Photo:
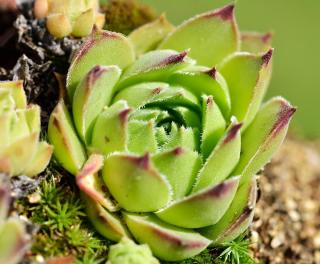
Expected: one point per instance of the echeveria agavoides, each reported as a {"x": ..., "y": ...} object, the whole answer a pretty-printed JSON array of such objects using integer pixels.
[
  {"x": 21, "y": 152},
  {"x": 174, "y": 130}
]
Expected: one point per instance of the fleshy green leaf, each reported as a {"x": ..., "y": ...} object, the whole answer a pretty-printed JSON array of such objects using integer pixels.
[
  {"x": 68, "y": 149},
  {"x": 106, "y": 223},
  {"x": 135, "y": 183},
  {"x": 17, "y": 92},
  {"x": 110, "y": 130},
  {"x": 213, "y": 125},
  {"x": 101, "y": 48},
  {"x": 210, "y": 36},
  {"x": 40, "y": 160},
  {"x": 248, "y": 77},
  {"x": 166, "y": 241},
  {"x": 203, "y": 208},
  {"x": 142, "y": 137},
  {"x": 83, "y": 24},
  {"x": 179, "y": 166},
  {"x": 238, "y": 216},
  {"x": 148, "y": 36},
  {"x": 182, "y": 137},
  {"x": 20, "y": 153},
  {"x": 222, "y": 160},
  {"x": 92, "y": 185},
  {"x": 139, "y": 94},
  {"x": 263, "y": 137},
  {"x": 154, "y": 66},
  {"x": 208, "y": 82},
  {"x": 92, "y": 94}
]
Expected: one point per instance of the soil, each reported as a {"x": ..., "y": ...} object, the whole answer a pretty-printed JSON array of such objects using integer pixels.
[{"x": 287, "y": 220}]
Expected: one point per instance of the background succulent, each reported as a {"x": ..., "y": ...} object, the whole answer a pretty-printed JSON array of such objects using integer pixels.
[
  {"x": 20, "y": 149},
  {"x": 174, "y": 118},
  {"x": 14, "y": 241},
  {"x": 69, "y": 17},
  {"x": 127, "y": 252}
]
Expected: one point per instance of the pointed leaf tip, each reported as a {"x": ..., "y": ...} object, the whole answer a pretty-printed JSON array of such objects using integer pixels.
[
  {"x": 212, "y": 72},
  {"x": 175, "y": 58},
  {"x": 232, "y": 132},
  {"x": 226, "y": 12},
  {"x": 267, "y": 57},
  {"x": 124, "y": 114},
  {"x": 284, "y": 117}
]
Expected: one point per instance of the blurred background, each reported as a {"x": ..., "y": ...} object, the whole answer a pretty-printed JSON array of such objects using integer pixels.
[{"x": 296, "y": 39}]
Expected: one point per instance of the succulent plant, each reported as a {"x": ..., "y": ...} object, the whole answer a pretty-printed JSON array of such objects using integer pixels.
[
  {"x": 20, "y": 149},
  {"x": 69, "y": 17},
  {"x": 165, "y": 131},
  {"x": 14, "y": 241},
  {"x": 127, "y": 252}
]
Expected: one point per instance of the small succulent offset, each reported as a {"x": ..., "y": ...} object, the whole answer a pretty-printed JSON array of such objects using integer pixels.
[
  {"x": 127, "y": 252},
  {"x": 14, "y": 241},
  {"x": 69, "y": 17},
  {"x": 173, "y": 117},
  {"x": 20, "y": 149}
]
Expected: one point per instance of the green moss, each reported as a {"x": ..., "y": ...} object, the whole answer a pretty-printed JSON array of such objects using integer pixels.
[
  {"x": 126, "y": 15},
  {"x": 64, "y": 229}
]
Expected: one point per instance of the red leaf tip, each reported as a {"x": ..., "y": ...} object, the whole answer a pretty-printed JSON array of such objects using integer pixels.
[
  {"x": 284, "y": 117},
  {"x": 123, "y": 115},
  {"x": 232, "y": 132},
  {"x": 212, "y": 72},
  {"x": 226, "y": 12},
  {"x": 267, "y": 57}
]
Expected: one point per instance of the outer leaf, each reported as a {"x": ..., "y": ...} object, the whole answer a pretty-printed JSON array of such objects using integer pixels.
[
  {"x": 110, "y": 130},
  {"x": 222, "y": 160},
  {"x": 13, "y": 242},
  {"x": 248, "y": 77},
  {"x": 203, "y": 208},
  {"x": 83, "y": 24},
  {"x": 180, "y": 166},
  {"x": 93, "y": 93},
  {"x": 264, "y": 136},
  {"x": 238, "y": 216},
  {"x": 59, "y": 25},
  {"x": 90, "y": 183},
  {"x": 135, "y": 184},
  {"x": 62, "y": 135},
  {"x": 20, "y": 153},
  {"x": 210, "y": 36},
  {"x": 148, "y": 36},
  {"x": 154, "y": 66},
  {"x": 101, "y": 48},
  {"x": 166, "y": 241},
  {"x": 40, "y": 160},
  {"x": 255, "y": 42},
  {"x": 107, "y": 224},
  {"x": 17, "y": 92}
]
